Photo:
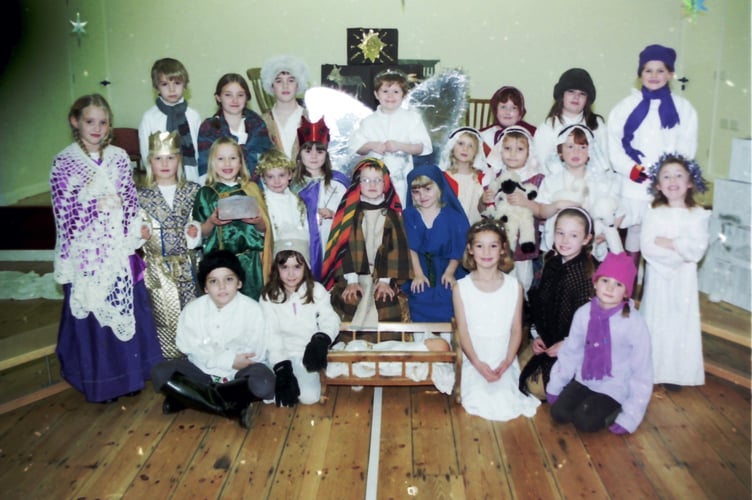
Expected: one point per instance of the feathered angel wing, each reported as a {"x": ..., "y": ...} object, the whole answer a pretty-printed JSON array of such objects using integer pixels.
[
  {"x": 442, "y": 102},
  {"x": 342, "y": 113}
]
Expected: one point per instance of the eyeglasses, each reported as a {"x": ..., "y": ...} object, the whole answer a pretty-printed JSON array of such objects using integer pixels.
[{"x": 376, "y": 180}]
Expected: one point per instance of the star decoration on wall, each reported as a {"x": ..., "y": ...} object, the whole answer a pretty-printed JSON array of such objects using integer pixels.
[
  {"x": 371, "y": 46},
  {"x": 692, "y": 7},
  {"x": 79, "y": 27}
]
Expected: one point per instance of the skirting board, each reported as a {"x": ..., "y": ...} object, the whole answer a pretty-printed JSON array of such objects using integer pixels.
[
  {"x": 11, "y": 197},
  {"x": 27, "y": 255}
]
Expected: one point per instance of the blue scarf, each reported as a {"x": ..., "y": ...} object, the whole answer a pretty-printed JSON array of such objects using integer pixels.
[
  {"x": 666, "y": 111},
  {"x": 596, "y": 363}
]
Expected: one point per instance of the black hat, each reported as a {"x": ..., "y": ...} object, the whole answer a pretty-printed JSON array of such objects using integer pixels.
[
  {"x": 215, "y": 260},
  {"x": 575, "y": 79}
]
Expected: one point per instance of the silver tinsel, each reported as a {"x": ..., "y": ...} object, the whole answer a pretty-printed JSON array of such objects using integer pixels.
[{"x": 441, "y": 101}]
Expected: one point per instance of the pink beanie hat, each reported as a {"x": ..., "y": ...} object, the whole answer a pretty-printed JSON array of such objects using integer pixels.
[{"x": 620, "y": 267}]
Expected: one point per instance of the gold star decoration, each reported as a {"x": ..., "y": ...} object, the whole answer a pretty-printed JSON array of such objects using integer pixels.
[{"x": 372, "y": 46}]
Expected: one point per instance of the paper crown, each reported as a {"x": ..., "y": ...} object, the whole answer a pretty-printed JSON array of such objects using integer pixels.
[
  {"x": 313, "y": 132},
  {"x": 296, "y": 244},
  {"x": 164, "y": 143}
]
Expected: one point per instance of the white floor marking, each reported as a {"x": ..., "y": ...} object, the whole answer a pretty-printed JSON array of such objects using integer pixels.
[{"x": 372, "y": 477}]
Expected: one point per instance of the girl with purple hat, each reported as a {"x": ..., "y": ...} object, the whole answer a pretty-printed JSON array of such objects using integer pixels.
[{"x": 603, "y": 376}]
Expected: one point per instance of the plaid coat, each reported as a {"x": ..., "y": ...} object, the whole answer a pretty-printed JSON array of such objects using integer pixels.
[{"x": 392, "y": 261}]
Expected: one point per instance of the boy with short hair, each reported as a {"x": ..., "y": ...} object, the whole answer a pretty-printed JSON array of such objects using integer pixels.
[
  {"x": 171, "y": 112},
  {"x": 392, "y": 133},
  {"x": 224, "y": 335}
]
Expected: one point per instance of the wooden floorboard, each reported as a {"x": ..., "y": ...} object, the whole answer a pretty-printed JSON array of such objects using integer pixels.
[
  {"x": 301, "y": 467},
  {"x": 621, "y": 473},
  {"x": 693, "y": 444},
  {"x": 527, "y": 466},
  {"x": 396, "y": 458},
  {"x": 688, "y": 446},
  {"x": 256, "y": 465},
  {"x": 570, "y": 462},
  {"x": 134, "y": 444},
  {"x": 481, "y": 463},
  {"x": 346, "y": 465}
]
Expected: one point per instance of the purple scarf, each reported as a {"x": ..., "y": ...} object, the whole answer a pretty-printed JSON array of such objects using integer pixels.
[
  {"x": 597, "y": 361},
  {"x": 666, "y": 111}
]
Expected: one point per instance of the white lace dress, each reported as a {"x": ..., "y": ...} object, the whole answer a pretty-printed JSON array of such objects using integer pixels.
[{"x": 489, "y": 319}]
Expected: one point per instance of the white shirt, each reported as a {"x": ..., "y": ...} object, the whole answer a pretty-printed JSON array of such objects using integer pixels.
[{"x": 212, "y": 337}]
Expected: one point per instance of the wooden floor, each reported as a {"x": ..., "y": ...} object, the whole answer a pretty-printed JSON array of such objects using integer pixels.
[{"x": 693, "y": 444}]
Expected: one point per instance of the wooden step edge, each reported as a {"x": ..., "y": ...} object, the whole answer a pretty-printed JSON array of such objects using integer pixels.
[
  {"x": 722, "y": 333},
  {"x": 729, "y": 374},
  {"x": 28, "y": 346},
  {"x": 33, "y": 397}
]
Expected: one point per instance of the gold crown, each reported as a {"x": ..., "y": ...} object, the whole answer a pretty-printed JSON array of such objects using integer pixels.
[{"x": 164, "y": 143}]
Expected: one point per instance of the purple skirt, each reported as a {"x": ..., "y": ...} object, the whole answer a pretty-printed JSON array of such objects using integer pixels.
[{"x": 96, "y": 362}]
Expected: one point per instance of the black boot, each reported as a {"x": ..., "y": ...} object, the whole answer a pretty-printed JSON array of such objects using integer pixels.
[
  {"x": 181, "y": 392},
  {"x": 238, "y": 398}
]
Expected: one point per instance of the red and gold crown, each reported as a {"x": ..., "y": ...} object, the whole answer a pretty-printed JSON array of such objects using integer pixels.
[{"x": 313, "y": 132}]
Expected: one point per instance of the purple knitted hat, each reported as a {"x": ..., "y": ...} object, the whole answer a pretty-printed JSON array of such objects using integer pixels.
[
  {"x": 666, "y": 55},
  {"x": 620, "y": 267}
]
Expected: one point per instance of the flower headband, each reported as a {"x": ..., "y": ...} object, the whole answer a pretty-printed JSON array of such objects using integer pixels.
[{"x": 695, "y": 172}]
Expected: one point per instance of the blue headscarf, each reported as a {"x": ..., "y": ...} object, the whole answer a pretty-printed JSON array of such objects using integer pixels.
[{"x": 448, "y": 198}]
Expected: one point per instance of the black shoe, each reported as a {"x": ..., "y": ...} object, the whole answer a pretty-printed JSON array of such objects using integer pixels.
[
  {"x": 107, "y": 401},
  {"x": 672, "y": 387},
  {"x": 246, "y": 417},
  {"x": 170, "y": 406}
]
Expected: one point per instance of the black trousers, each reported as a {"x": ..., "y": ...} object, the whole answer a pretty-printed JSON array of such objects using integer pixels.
[
  {"x": 260, "y": 377},
  {"x": 588, "y": 410}
]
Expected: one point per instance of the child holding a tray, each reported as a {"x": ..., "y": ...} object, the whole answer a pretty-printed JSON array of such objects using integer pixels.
[{"x": 244, "y": 229}]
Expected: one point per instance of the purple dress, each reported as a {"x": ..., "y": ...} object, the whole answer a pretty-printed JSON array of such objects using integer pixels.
[
  {"x": 107, "y": 341},
  {"x": 310, "y": 195}
]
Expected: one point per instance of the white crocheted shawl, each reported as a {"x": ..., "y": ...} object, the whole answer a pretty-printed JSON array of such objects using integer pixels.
[{"x": 95, "y": 209}]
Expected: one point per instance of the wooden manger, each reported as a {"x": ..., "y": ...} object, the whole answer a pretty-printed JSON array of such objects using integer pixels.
[{"x": 393, "y": 331}]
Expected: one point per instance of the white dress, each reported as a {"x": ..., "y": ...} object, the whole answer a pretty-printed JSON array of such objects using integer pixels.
[
  {"x": 670, "y": 302},
  {"x": 489, "y": 320}
]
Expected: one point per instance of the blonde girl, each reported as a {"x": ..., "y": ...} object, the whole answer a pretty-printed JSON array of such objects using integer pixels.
[
  {"x": 250, "y": 237},
  {"x": 106, "y": 313},
  {"x": 464, "y": 165}
]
